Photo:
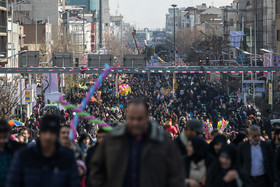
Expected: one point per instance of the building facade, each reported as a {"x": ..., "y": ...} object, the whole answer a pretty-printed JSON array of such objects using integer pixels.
[
  {"x": 3, "y": 31},
  {"x": 261, "y": 16},
  {"x": 277, "y": 10},
  {"x": 15, "y": 43},
  {"x": 90, "y": 5},
  {"x": 169, "y": 25}
]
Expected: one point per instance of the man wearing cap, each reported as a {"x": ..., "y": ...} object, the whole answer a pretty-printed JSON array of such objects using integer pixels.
[
  {"x": 46, "y": 163},
  {"x": 192, "y": 128}
]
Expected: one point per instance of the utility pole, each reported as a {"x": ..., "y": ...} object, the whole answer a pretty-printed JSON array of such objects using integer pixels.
[
  {"x": 251, "y": 46},
  {"x": 48, "y": 42},
  {"x": 100, "y": 24},
  {"x": 83, "y": 29},
  {"x": 12, "y": 36},
  {"x": 35, "y": 31},
  {"x": 174, "y": 6},
  {"x": 122, "y": 37}
]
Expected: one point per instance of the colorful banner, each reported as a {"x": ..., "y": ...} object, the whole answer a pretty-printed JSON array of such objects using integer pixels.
[
  {"x": 174, "y": 84},
  {"x": 52, "y": 80},
  {"x": 270, "y": 94},
  {"x": 276, "y": 61},
  {"x": 27, "y": 96}
]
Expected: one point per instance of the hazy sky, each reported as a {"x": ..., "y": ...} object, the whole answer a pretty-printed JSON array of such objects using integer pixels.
[{"x": 151, "y": 13}]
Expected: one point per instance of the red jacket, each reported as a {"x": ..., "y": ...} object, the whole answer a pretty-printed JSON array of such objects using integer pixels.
[{"x": 171, "y": 129}]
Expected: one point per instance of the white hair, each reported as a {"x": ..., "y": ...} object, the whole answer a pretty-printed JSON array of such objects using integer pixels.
[{"x": 254, "y": 128}]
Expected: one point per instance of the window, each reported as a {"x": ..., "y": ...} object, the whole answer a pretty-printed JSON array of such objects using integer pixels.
[
  {"x": 231, "y": 22},
  {"x": 278, "y": 35},
  {"x": 278, "y": 7}
]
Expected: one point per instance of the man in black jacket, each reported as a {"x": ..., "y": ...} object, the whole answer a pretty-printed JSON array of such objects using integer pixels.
[
  {"x": 7, "y": 149},
  {"x": 256, "y": 159},
  {"x": 45, "y": 163},
  {"x": 192, "y": 128}
]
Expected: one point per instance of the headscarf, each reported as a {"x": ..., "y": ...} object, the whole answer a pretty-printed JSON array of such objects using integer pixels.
[
  {"x": 200, "y": 148},
  {"x": 230, "y": 152},
  {"x": 220, "y": 138}
]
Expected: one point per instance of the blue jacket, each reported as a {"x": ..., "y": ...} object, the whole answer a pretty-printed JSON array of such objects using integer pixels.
[{"x": 31, "y": 169}]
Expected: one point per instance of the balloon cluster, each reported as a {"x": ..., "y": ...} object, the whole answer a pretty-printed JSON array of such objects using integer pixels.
[
  {"x": 208, "y": 126},
  {"x": 124, "y": 89},
  {"x": 79, "y": 110},
  {"x": 222, "y": 124}
]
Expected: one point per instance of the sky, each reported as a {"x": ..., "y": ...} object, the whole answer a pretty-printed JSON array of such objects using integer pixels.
[{"x": 151, "y": 13}]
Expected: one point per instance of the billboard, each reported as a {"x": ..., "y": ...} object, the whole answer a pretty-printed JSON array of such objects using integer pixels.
[
  {"x": 99, "y": 61},
  {"x": 259, "y": 85},
  {"x": 28, "y": 59},
  {"x": 134, "y": 61},
  {"x": 63, "y": 59}
]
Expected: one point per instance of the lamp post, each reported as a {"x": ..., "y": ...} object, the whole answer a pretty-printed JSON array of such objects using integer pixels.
[
  {"x": 174, "y": 6},
  {"x": 83, "y": 7},
  {"x": 100, "y": 25}
]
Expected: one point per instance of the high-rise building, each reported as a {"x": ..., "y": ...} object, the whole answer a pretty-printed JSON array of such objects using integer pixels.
[
  {"x": 3, "y": 31},
  {"x": 90, "y": 5},
  {"x": 94, "y": 5},
  {"x": 278, "y": 26},
  {"x": 263, "y": 12}
]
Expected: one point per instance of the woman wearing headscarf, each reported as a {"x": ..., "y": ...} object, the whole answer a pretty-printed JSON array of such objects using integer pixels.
[
  {"x": 216, "y": 145},
  {"x": 197, "y": 162},
  {"x": 223, "y": 173}
]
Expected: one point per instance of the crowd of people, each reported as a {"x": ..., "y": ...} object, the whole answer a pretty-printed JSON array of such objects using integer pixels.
[{"x": 158, "y": 140}]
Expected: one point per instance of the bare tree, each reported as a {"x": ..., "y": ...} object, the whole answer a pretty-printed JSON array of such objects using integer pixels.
[
  {"x": 8, "y": 97},
  {"x": 114, "y": 45},
  {"x": 185, "y": 39}
]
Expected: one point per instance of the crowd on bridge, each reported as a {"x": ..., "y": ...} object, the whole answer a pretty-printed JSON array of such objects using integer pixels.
[{"x": 182, "y": 132}]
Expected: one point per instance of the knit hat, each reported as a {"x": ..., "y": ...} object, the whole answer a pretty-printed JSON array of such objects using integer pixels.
[
  {"x": 82, "y": 165},
  {"x": 50, "y": 123}
]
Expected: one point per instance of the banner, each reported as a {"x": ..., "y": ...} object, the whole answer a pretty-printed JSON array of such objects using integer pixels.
[
  {"x": 235, "y": 38},
  {"x": 174, "y": 84},
  {"x": 158, "y": 64},
  {"x": 239, "y": 95},
  {"x": 52, "y": 80},
  {"x": 270, "y": 94},
  {"x": 267, "y": 59},
  {"x": 21, "y": 91},
  {"x": 27, "y": 96},
  {"x": 276, "y": 61}
]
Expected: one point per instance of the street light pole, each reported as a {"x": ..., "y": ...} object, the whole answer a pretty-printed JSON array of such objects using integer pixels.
[
  {"x": 83, "y": 29},
  {"x": 174, "y": 6},
  {"x": 100, "y": 24}
]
